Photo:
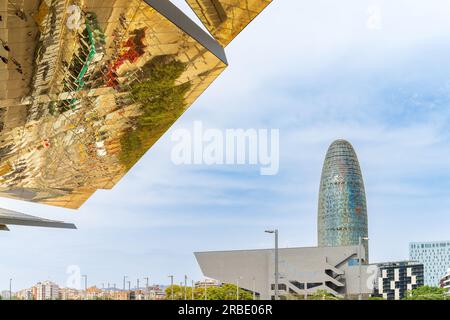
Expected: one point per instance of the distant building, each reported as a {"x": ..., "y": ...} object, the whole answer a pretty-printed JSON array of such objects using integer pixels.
[
  {"x": 445, "y": 281},
  {"x": 47, "y": 290},
  {"x": 93, "y": 293},
  {"x": 342, "y": 212},
  {"x": 395, "y": 279},
  {"x": 5, "y": 294},
  {"x": 26, "y": 294},
  {"x": 121, "y": 295},
  {"x": 156, "y": 293},
  {"x": 69, "y": 294},
  {"x": 208, "y": 283},
  {"x": 435, "y": 256}
]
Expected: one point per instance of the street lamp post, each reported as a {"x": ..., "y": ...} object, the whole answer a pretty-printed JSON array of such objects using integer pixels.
[
  {"x": 192, "y": 291},
  {"x": 171, "y": 286},
  {"x": 237, "y": 287},
  {"x": 124, "y": 281},
  {"x": 85, "y": 286},
  {"x": 360, "y": 264},
  {"x": 276, "y": 260},
  {"x": 146, "y": 287},
  {"x": 185, "y": 287},
  {"x": 10, "y": 289},
  {"x": 254, "y": 288}
]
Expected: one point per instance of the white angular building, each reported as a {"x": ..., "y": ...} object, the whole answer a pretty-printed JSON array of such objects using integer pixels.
[{"x": 302, "y": 271}]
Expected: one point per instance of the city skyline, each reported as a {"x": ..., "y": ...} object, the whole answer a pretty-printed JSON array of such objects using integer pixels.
[{"x": 321, "y": 75}]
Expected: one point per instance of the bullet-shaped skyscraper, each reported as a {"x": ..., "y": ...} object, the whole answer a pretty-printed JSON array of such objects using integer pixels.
[{"x": 342, "y": 213}]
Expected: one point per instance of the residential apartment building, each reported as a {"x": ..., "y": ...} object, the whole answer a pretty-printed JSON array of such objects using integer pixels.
[
  {"x": 69, "y": 294},
  {"x": 395, "y": 279},
  {"x": 46, "y": 290}
]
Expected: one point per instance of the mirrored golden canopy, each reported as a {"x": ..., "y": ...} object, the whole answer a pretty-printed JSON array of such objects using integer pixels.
[
  {"x": 225, "y": 19},
  {"x": 88, "y": 86}
]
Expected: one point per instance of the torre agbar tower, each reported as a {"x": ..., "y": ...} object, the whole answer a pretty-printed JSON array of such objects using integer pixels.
[{"x": 342, "y": 213}]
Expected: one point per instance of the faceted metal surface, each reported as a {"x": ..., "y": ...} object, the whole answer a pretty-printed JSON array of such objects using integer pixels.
[
  {"x": 83, "y": 95},
  {"x": 225, "y": 19},
  {"x": 8, "y": 217},
  {"x": 342, "y": 212}
]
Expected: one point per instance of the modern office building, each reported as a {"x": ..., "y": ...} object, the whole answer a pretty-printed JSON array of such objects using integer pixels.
[
  {"x": 395, "y": 279},
  {"x": 342, "y": 212},
  {"x": 88, "y": 87},
  {"x": 302, "y": 271},
  {"x": 445, "y": 281},
  {"x": 435, "y": 256}
]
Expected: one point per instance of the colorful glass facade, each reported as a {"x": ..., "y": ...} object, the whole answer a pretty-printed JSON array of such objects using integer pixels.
[{"x": 342, "y": 212}]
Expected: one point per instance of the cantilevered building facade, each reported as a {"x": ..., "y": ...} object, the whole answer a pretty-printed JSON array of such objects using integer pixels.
[
  {"x": 88, "y": 86},
  {"x": 342, "y": 213}
]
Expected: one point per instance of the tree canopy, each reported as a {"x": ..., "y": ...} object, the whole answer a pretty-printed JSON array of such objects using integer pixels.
[
  {"x": 224, "y": 292},
  {"x": 427, "y": 293},
  {"x": 161, "y": 101}
]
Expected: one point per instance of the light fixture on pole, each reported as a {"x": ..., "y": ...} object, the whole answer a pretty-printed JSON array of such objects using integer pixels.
[
  {"x": 146, "y": 287},
  {"x": 185, "y": 287},
  {"x": 275, "y": 232},
  {"x": 171, "y": 286},
  {"x": 124, "y": 281},
  {"x": 237, "y": 287},
  {"x": 254, "y": 288},
  {"x": 360, "y": 239},
  {"x": 85, "y": 286}
]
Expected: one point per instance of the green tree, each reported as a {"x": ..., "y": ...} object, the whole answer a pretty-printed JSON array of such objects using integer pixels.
[
  {"x": 224, "y": 292},
  {"x": 427, "y": 293},
  {"x": 161, "y": 101},
  {"x": 322, "y": 295}
]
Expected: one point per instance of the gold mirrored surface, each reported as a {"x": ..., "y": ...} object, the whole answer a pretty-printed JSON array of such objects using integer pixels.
[
  {"x": 225, "y": 19},
  {"x": 84, "y": 94}
]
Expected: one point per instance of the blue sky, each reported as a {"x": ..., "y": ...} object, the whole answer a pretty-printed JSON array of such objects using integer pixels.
[{"x": 315, "y": 71}]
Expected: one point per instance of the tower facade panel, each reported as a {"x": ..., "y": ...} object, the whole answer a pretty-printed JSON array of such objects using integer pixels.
[{"x": 342, "y": 212}]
